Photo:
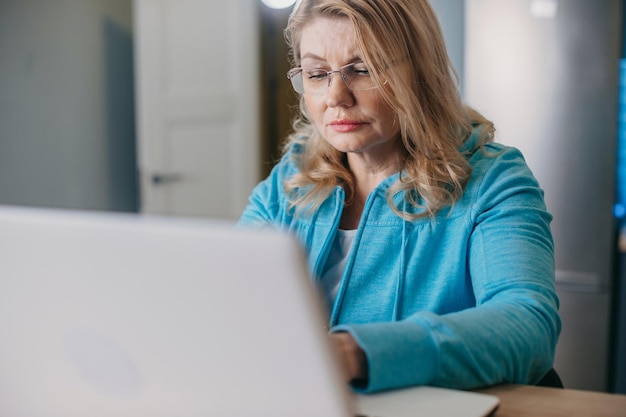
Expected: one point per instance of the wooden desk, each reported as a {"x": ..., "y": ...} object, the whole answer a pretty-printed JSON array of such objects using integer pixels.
[{"x": 531, "y": 401}]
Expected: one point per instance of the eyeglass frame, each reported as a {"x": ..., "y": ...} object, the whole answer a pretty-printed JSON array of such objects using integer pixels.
[{"x": 294, "y": 72}]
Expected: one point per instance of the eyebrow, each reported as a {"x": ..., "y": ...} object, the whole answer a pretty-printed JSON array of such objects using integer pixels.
[{"x": 310, "y": 55}]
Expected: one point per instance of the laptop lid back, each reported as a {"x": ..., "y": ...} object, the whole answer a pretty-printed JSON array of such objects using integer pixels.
[{"x": 111, "y": 315}]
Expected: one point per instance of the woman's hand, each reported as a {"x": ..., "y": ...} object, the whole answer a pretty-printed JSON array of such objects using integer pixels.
[{"x": 351, "y": 356}]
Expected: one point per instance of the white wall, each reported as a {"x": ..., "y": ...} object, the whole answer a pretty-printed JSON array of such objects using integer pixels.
[{"x": 57, "y": 116}]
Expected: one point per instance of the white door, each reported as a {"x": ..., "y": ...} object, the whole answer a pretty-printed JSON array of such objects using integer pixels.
[{"x": 197, "y": 78}]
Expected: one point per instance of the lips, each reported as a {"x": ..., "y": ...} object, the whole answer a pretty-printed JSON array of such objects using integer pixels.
[{"x": 345, "y": 125}]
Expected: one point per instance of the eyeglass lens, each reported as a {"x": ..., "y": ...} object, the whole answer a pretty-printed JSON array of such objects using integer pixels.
[{"x": 317, "y": 80}]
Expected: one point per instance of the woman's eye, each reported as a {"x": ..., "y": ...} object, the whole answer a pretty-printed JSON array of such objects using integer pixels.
[
  {"x": 316, "y": 75},
  {"x": 361, "y": 71}
]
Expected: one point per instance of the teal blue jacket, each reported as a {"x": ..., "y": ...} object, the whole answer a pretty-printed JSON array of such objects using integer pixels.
[{"x": 462, "y": 300}]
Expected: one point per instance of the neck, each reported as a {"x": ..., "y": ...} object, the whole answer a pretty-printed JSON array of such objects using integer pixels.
[
  {"x": 366, "y": 178},
  {"x": 368, "y": 174}
]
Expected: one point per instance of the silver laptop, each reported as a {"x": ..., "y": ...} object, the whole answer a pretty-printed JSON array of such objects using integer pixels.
[{"x": 123, "y": 315}]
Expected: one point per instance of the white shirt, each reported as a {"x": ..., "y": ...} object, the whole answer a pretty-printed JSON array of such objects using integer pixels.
[{"x": 335, "y": 265}]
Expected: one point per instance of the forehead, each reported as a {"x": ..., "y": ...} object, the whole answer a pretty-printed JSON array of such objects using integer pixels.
[{"x": 329, "y": 39}]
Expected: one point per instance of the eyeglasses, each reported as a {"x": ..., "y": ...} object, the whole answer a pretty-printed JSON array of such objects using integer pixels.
[{"x": 316, "y": 81}]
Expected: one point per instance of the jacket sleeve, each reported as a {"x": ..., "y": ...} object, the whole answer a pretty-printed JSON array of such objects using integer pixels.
[
  {"x": 511, "y": 333},
  {"x": 266, "y": 204}
]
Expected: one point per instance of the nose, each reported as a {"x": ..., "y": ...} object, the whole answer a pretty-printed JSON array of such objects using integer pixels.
[{"x": 338, "y": 93}]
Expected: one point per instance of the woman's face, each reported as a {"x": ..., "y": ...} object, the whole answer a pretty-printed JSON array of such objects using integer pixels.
[{"x": 355, "y": 122}]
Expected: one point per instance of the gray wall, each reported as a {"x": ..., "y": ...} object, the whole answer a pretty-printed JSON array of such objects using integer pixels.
[
  {"x": 452, "y": 19},
  {"x": 66, "y": 108}
]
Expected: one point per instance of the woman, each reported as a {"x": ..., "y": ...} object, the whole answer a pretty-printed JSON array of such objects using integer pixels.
[{"x": 430, "y": 243}]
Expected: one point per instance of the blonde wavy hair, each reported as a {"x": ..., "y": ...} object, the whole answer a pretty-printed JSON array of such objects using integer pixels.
[{"x": 434, "y": 122}]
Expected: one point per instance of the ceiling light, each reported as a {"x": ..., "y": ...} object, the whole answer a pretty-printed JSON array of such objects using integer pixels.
[{"x": 278, "y": 4}]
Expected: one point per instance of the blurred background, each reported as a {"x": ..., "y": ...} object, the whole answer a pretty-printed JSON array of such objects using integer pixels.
[{"x": 179, "y": 107}]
